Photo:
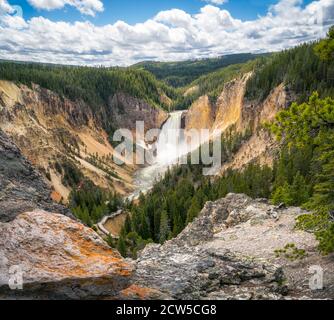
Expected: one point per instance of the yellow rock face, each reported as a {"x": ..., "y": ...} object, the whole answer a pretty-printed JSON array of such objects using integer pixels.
[
  {"x": 230, "y": 104},
  {"x": 200, "y": 115},
  {"x": 47, "y": 128}
]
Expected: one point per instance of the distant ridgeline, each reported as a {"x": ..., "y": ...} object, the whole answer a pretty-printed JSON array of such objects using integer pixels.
[
  {"x": 299, "y": 68},
  {"x": 180, "y": 74},
  {"x": 92, "y": 85}
]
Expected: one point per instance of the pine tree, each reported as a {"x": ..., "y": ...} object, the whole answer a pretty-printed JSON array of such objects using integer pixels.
[
  {"x": 127, "y": 225},
  {"x": 311, "y": 124},
  {"x": 324, "y": 187},
  {"x": 325, "y": 48},
  {"x": 121, "y": 246},
  {"x": 194, "y": 209},
  {"x": 282, "y": 194},
  {"x": 164, "y": 227},
  {"x": 299, "y": 190}
]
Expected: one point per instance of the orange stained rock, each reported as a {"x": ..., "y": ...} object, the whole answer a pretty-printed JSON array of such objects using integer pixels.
[{"x": 137, "y": 292}]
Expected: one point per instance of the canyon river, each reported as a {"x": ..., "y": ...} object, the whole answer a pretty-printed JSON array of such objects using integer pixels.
[{"x": 165, "y": 153}]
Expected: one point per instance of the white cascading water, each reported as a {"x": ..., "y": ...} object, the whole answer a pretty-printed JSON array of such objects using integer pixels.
[{"x": 169, "y": 147}]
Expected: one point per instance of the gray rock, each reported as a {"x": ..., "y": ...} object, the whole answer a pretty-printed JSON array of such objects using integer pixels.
[
  {"x": 22, "y": 188},
  {"x": 228, "y": 253}
]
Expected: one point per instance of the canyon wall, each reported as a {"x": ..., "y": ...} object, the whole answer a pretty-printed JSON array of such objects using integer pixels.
[
  {"x": 201, "y": 115},
  {"x": 22, "y": 188},
  {"x": 51, "y": 131},
  {"x": 126, "y": 110},
  {"x": 233, "y": 111}
]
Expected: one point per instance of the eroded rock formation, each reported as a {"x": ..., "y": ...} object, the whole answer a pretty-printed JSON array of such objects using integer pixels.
[
  {"x": 22, "y": 188},
  {"x": 228, "y": 252},
  {"x": 126, "y": 110},
  {"x": 201, "y": 115},
  {"x": 233, "y": 111},
  {"x": 59, "y": 258}
]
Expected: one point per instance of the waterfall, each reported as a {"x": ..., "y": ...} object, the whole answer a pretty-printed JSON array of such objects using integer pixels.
[
  {"x": 171, "y": 144},
  {"x": 168, "y": 148}
]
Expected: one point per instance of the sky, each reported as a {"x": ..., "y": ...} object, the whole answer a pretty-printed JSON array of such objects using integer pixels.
[{"x": 123, "y": 32}]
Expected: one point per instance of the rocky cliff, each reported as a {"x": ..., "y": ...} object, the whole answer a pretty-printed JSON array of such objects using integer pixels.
[
  {"x": 22, "y": 188},
  {"x": 51, "y": 131},
  {"x": 126, "y": 110},
  {"x": 230, "y": 104},
  {"x": 54, "y": 255},
  {"x": 201, "y": 115},
  {"x": 59, "y": 259},
  {"x": 233, "y": 111},
  {"x": 229, "y": 252}
]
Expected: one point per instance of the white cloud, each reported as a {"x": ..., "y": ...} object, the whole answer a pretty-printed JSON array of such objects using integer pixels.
[
  {"x": 5, "y": 7},
  {"x": 219, "y": 2},
  {"x": 88, "y": 7},
  {"x": 170, "y": 35}
]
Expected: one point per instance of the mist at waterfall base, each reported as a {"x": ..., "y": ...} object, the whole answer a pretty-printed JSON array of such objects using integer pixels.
[{"x": 166, "y": 152}]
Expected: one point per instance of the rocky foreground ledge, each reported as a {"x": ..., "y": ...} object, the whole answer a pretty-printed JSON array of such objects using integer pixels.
[
  {"x": 59, "y": 259},
  {"x": 229, "y": 253},
  {"x": 226, "y": 253}
]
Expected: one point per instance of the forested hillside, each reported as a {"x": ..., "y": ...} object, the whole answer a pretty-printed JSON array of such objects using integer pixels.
[
  {"x": 301, "y": 69},
  {"x": 213, "y": 83},
  {"x": 92, "y": 85},
  {"x": 180, "y": 74}
]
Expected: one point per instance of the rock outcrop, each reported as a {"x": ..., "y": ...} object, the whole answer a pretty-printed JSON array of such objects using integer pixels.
[
  {"x": 126, "y": 110},
  {"x": 230, "y": 104},
  {"x": 58, "y": 258},
  {"x": 22, "y": 188},
  {"x": 229, "y": 253},
  {"x": 233, "y": 113},
  {"x": 54, "y": 255},
  {"x": 201, "y": 115}
]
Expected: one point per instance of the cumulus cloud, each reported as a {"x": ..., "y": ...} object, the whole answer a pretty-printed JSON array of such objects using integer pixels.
[
  {"x": 170, "y": 35},
  {"x": 5, "y": 7},
  {"x": 88, "y": 7},
  {"x": 219, "y": 2}
]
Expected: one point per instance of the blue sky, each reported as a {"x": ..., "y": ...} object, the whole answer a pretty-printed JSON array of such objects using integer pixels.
[
  {"x": 133, "y": 11},
  {"x": 123, "y": 32}
]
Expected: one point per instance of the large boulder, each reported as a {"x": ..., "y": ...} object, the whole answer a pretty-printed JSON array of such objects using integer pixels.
[{"x": 58, "y": 258}]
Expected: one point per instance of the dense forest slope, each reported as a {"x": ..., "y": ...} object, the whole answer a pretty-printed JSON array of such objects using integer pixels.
[{"x": 180, "y": 74}]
